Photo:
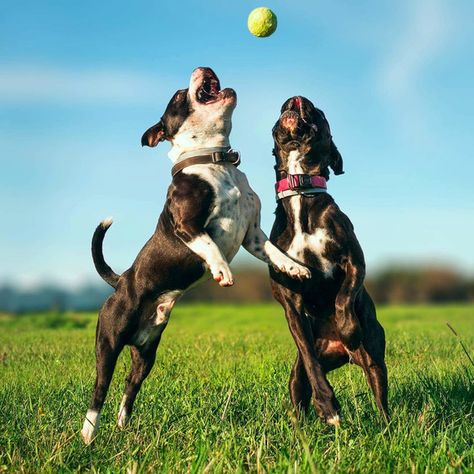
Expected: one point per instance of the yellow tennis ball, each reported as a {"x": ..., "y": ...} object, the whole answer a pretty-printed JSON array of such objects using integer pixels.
[{"x": 262, "y": 22}]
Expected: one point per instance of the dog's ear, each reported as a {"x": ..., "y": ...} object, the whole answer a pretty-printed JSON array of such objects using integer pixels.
[
  {"x": 335, "y": 160},
  {"x": 154, "y": 135}
]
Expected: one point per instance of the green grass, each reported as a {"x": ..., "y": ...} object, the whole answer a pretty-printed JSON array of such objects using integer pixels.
[{"x": 217, "y": 398}]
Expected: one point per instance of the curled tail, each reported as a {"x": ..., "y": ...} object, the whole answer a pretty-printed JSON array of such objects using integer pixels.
[{"x": 101, "y": 266}]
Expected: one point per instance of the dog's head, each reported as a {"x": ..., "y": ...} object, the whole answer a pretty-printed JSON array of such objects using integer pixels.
[
  {"x": 303, "y": 141},
  {"x": 196, "y": 117}
]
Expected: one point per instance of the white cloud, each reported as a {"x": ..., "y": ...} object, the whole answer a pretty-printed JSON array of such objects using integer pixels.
[
  {"x": 422, "y": 39},
  {"x": 23, "y": 83}
]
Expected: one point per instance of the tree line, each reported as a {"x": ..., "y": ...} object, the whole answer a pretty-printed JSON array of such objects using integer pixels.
[{"x": 390, "y": 285}]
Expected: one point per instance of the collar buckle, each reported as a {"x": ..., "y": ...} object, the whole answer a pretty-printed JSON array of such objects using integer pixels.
[
  {"x": 218, "y": 156},
  {"x": 299, "y": 181},
  {"x": 230, "y": 156}
]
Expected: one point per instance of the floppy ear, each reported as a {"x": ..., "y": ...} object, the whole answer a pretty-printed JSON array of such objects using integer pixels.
[
  {"x": 335, "y": 160},
  {"x": 154, "y": 135}
]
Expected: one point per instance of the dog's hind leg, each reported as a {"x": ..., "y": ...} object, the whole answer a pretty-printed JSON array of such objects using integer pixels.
[
  {"x": 112, "y": 326},
  {"x": 346, "y": 317},
  {"x": 107, "y": 353},
  {"x": 371, "y": 354},
  {"x": 143, "y": 356},
  {"x": 142, "y": 363},
  {"x": 376, "y": 373},
  {"x": 300, "y": 388}
]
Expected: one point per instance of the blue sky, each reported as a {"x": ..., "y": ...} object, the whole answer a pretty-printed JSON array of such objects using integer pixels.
[{"x": 81, "y": 81}]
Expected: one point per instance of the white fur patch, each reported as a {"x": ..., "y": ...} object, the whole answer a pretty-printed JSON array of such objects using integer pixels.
[
  {"x": 285, "y": 264},
  {"x": 334, "y": 420},
  {"x": 294, "y": 162},
  {"x": 107, "y": 222},
  {"x": 207, "y": 249},
  {"x": 122, "y": 414},
  {"x": 208, "y": 125},
  {"x": 158, "y": 320},
  {"x": 91, "y": 424},
  {"x": 229, "y": 220},
  {"x": 315, "y": 243},
  {"x": 202, "y": 129}
]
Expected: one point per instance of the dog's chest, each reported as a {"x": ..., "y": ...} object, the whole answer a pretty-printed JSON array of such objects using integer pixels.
[
  {"x": 314, "y": 242},
  {"x": 233, "y": 206}
]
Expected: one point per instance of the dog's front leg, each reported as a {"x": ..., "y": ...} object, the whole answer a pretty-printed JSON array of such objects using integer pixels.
[
  {"x": 190, "y": 204},
  {"x": 299, "y": 323},
  {"x": 257, "y": 243},
  {"x": 346, "y": 318},
  {"x": 206, "y": 248}
]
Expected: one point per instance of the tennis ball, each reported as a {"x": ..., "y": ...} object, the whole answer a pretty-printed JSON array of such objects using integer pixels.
[{"x": 262, "y": 22}]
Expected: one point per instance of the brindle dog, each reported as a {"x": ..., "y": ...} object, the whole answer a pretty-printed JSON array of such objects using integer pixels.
[{"x": 331, "y": 316}]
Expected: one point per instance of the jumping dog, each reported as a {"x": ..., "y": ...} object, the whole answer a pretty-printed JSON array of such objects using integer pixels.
[{"x": 210, "y": 211}]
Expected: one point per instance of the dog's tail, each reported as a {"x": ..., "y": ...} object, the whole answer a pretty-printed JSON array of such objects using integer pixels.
[{"x": 101, "y": 266}]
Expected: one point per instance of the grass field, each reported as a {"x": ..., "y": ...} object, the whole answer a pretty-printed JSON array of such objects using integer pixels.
[{"x": 217, "y": 399}]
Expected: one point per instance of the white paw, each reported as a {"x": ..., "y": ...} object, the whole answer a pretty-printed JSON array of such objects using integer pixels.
[
  {"x": 334, "y": 420},
  {"x": 89, "y": 429},
  {"x": 295, "y": 270},
  {"x": 222, "y": 274},
  {"x": 87, "y": 435},
  {"x": 122, "y": 417}
]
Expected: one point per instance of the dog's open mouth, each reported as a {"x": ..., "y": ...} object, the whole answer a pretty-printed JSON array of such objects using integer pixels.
[
  {"x": 294, "y": 112},
  {"x": 210, "y": 90},
  {"x": 297, "y": 106}
]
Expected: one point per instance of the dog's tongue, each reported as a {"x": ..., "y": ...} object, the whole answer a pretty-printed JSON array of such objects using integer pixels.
[{"x": 297, "y": 103}]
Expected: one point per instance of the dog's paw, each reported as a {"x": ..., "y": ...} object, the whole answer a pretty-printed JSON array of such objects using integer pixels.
[
  {"x": 222, "y": 274},
  {"x": 122, "y": 420},
  {"x": 123, "y": 416},
  {"x": 89, "y": 429},
  {"x": 334, "y": 420},
  {"x": 87, "y": 437},
  {"x": 295, "y": 270}
]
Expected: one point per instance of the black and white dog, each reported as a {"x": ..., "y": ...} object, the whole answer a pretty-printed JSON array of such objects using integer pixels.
[
  {"x": 210, "y": 211},
  {"x": 331, "y": 316}
]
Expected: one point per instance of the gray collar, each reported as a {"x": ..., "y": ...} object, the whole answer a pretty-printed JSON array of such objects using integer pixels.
[
  {"x": 306, "y": 192},
  {"x": 201, "y": 151}
]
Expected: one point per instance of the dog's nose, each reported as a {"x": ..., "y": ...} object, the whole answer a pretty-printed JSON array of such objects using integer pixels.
[{"x": 289, "y": 120}]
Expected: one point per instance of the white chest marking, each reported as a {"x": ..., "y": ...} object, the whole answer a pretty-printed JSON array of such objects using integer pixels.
[
  {"x": 315, "y": 242},
  {"x": 233, "y": 209},
  {"x": 294, "y": 162}
]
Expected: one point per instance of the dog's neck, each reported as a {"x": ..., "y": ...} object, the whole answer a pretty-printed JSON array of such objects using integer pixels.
[
  {"x": 198, "y": 147},
  {"x": 297, "y": 163}
]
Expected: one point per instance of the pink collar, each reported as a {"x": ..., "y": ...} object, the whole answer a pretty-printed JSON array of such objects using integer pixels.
[{"x": 300, "y": 183}]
